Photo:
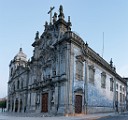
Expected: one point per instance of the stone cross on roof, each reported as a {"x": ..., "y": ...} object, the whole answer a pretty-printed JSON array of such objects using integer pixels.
[{"x": 50, "y": 12}]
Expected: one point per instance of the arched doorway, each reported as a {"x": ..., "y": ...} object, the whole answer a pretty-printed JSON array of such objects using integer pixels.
[{"x": 16, "y": 105}]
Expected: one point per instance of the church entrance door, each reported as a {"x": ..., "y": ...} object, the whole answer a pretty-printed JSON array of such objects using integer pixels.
[
  {"x": 45, "y": 102},
  {"x": 78, "y": 104}
]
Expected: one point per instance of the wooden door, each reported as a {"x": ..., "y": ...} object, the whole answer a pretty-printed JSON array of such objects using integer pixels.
[
  {"x": 45, "y": 102},
  {"x": 78, "y": 104}
]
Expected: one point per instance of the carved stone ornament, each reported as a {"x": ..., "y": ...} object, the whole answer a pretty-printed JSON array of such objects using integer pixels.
[{"x": 80, "y": 58}]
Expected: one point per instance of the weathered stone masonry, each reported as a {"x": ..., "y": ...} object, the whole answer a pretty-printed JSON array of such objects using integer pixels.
[{"x": 64, "y": 75}]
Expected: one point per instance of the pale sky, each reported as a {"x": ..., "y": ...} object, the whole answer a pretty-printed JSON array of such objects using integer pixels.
[{"x": 20, "y": 19}]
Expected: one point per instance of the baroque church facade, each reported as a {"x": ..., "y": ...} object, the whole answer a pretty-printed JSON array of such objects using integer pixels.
[{"x": 64, "y": 75}]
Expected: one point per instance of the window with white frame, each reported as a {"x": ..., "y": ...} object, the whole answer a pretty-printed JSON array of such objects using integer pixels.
[{"x": 103, "y": 80}]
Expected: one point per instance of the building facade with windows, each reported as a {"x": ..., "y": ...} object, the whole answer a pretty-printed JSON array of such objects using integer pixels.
[{"x": 64, "y": 75}]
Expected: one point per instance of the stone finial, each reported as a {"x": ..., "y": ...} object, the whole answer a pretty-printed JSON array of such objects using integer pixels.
[
  {"x": 46, "y": 25},
  {"x": 20, "y": 50},
  {"x": 86, "y": 44},
  {"x": 111, "y": 63},
  {"x": 69, "y": 22},
  {"x": 114, "y": 68},
  {"x": 61, "y": 15},
  {"x": 37, "y": 35},
  {"x": 55, "y": 17}
]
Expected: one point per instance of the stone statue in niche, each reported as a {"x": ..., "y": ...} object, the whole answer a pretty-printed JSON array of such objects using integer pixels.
[
  {"x": 38, "y": 99},
  {"x": 53, "y": 97},
  {"x": 42, "y": 76}
]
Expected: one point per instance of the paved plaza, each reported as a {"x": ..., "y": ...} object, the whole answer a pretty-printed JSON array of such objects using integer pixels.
[
  {"x": 34, "y": 116},
  {"x": 16, "y": 116}
]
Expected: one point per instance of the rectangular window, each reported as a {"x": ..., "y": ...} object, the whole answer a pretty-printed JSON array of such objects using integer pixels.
[
  {"x": 103, "y": 80},
  {"x": 120, "y": 97},
  {"x": 79, "y": 70},
  {"x": 117, "y": 86},
  {"x": 91, "y": 74},
  {"x": 120, "y": 88},
  {"x": 123, "y": 98},
  {"x": 111, "y": 84}
]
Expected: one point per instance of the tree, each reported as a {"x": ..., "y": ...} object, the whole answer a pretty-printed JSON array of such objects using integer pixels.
[{"x": 3, "y": 104}]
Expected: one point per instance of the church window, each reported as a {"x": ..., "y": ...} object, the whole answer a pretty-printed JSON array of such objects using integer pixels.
[
  {"x": 120, "y": 97},
  {"x": 103, "y": 80},
  {"x": 18, "y": 84},
  {"x": 116, "y": 95},
  {"x": 120, "y": 88},
  {"x": 79, "y": 70},
  {"x": 13, "y": 86},
  {"x": 111, "y": 84},
  {"x": 117, "y": 86},
  {"x": 91, "y": 74},
  {"x": 123, "y": 89},
  {"x": 22, "y": 84},
  {"x": 123, "y": 98}
]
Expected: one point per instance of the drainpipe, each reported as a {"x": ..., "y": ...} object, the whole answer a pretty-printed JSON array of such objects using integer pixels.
[
  {"x": 86, "y": 88},
  {"x": 114, "y": 93}
]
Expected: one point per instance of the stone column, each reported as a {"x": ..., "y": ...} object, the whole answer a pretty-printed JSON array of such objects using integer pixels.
[
  {"x": 68, "y": 84},
  {"x": 56, "y": 103},
  {"x": 71, "y": 76}
]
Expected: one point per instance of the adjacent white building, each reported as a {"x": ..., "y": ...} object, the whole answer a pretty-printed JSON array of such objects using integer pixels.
[{"x": 64, "y": 75}]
